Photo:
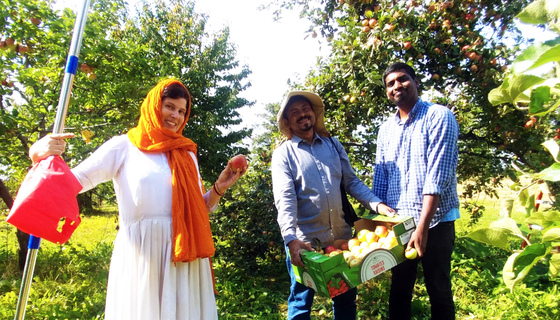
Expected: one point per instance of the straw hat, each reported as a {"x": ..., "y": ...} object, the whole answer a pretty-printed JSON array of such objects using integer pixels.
[{"x": 318, "y": 109}]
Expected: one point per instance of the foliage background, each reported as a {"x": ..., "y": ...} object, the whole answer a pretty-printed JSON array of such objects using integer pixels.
[{"x": 169, "y": 39}]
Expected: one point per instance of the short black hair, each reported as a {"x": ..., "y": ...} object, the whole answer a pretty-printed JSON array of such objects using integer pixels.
[
  {"x": 293, "y": 100},
  {"x": 176, "y": 91},
  {"x": 396, "y": 67}
]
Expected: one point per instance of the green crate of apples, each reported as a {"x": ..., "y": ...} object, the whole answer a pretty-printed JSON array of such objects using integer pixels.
[{"x": 379, "y": 245}]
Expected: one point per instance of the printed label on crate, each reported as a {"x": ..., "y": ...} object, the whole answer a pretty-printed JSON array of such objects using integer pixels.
[
  {"x": 409, "y": 224},
  {"x": 308, "y": 281},
  {"x": 405, "y": 237},
  {"x": 375, "y": 263}
]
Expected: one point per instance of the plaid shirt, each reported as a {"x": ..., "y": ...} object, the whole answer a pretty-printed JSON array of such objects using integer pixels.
[{"x": 416, "y": 158}]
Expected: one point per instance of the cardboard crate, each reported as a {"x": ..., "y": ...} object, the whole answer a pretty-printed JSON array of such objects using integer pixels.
[{"x": 331, "y": 276}]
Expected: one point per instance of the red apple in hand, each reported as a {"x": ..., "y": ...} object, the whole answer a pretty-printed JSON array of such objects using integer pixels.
[{"x": 238, "y": 162}]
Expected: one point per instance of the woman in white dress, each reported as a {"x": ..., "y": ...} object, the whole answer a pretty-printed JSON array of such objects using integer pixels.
[{"x": 160, "y": 267}]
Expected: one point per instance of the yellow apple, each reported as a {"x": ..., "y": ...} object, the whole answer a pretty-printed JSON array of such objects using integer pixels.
[
  {"x": 353, "y": 242},
  {"x": 381, "y": 231},
  {"x": 356, "y": 250},
  {"x": 362, "y": 234},
  {"x": 334, "y": 253},
  {"x": 392, "y": 241},
  {"x": 371, "y": 237},
  {"x": 349, "y": 257},
  {"x": 353, "y": 263},
  {"x": 411, "y": 253},
  {"x": 374, "y": 245}
]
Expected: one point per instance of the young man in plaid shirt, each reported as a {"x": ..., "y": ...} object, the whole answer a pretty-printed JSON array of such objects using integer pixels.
[{"x": 415, "y": 173}]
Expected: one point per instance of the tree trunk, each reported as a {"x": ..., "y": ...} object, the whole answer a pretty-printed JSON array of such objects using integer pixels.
[
  {"x": 85, "y": 202},
  {"x": 22, "y": 237}
]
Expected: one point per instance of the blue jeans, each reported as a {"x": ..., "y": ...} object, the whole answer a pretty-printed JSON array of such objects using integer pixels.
[
  {"x": 436, "y": 264},
  {"x": 301, "y": 299}
]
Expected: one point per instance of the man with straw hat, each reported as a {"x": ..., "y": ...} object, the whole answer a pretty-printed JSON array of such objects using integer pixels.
[{"x": 307, "y": 172}]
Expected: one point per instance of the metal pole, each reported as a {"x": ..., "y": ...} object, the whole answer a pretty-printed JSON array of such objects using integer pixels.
[{"x": 71, "y": 67}]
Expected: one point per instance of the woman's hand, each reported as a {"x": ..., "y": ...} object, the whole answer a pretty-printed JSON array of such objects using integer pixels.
[
  {"x": 50, "y": 145},
  {"x": 228, "y": 177}
]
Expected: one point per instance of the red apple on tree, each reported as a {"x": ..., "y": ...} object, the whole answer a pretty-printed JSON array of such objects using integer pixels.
[
  {"x": 238, "y": 162},
  {"x": 407, "y": 45},
  {"x": 86, "y": 68},
  {"x": 10, "y": 42},
  {"x": 35, "y": 21}
]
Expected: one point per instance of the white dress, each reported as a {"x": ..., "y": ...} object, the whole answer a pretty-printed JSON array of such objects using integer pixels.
[{"x": 143, "y": 281}]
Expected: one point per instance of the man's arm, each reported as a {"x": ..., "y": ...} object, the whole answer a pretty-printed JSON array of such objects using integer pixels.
[
  {"x": 442, "y": 160},
  {"x": 285, "y": 199},
  {"x": 356, "y": 187},
  {"x": 419, "y": 238}
]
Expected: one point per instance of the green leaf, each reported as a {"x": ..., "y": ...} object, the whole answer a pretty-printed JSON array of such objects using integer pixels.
[
  {"x": 530, "y": 205},
  {"x": 508, "y": 225},
  {"x": 551, "y": 173},
  {"x": 507, "y": 273},
  {"x": 554, "y": 264},
  {"x": 519, "y": 265},
  {"x": 539, "y": 97},
  {"x": 552, "y": 147},
  {"x": 551, "y": 235},
  {"x": 513, "y": 88},
  {"x": 540, "y": 12},
  {"x": 537, "y": 55},
  {"x": 497, "y": 238},
  {"x": 523, "y": 196}
]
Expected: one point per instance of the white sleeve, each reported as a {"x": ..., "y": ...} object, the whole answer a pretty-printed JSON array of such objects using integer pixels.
[{"x": 103, "y": 164}]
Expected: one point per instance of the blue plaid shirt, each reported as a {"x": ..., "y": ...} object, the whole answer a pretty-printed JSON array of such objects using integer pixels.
[{"x": 418, "y": 157}]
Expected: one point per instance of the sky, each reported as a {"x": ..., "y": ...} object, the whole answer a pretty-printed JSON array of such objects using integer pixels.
[{"x": 274, "y": 51}]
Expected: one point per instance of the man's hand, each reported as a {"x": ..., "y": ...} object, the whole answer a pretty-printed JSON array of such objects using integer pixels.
[
  {"x": 386, "y": 210},
  {"x": 295, "y": 247},
  {"x": 418, "y": 240}
]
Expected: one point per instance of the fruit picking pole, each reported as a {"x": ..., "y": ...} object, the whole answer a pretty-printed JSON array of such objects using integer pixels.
[{"x": 70, "y": 72}]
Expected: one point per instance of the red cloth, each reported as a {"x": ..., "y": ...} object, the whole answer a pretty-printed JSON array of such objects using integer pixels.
[{"x": 46, "y": 204}]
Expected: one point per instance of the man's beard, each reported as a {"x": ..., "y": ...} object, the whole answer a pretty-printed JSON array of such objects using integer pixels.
[{"x": 307, "y": 127}]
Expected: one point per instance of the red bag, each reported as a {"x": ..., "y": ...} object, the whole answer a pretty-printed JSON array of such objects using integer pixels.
[{"x": 46, "y": 204}]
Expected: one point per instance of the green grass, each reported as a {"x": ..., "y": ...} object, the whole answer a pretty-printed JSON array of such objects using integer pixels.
[{"x": 70, "y": 280}]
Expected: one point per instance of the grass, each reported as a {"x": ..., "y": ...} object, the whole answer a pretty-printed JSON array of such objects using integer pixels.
[{"x": 70, "y": 281}]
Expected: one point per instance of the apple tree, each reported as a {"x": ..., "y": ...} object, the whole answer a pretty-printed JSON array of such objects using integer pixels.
[
  {"x": 245, "y": 228},
  {"x": 538, "y": 96},
  {"x": 460, "y": 50},
  {"x": 123, "y": 55}
]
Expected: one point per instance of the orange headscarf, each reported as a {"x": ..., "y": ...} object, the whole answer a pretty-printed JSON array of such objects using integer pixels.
[{"x": 192, "y": 237}]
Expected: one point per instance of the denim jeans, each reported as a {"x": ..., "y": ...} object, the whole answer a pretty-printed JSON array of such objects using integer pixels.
[
  {"x": 436, "y": 264},
  {"x": 301, "y": 299}
]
